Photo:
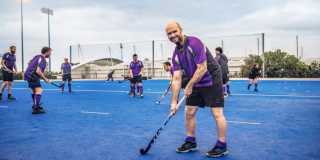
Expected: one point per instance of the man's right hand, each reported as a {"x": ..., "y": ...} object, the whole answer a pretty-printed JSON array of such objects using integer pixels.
[
  {"x": 46, "y": 80},
  {"x": 174, "y": 108}
]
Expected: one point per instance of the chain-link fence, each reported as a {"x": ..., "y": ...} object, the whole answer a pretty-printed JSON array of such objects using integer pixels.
[{"x": 96, "y": 61}]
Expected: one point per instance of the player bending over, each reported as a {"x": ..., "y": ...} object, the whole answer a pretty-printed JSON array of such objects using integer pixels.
[
  {"x": 33, "y": 74},
  {"x": 110, "y": 76}
]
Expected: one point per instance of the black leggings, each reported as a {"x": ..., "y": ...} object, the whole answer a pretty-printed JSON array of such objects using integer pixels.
[{"x": 109, "y": 78}]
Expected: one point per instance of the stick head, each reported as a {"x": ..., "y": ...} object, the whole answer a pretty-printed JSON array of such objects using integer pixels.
[
  {"x": 142, "y": 151},
  {"x": 158, "y": 102}
]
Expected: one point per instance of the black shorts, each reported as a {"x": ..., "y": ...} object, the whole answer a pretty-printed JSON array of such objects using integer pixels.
[
  {"x": 185, "y": 81},
  {"x": 7, "y": 76},
  {"x": 224, "y": 81},
  {"x": 136, "y": 79},
  {"x": 34, "y": 84},
  {"x": 210, "y": 96},
  {"x": 66, "y": 77},
  {"x": 252, "y": 77}
]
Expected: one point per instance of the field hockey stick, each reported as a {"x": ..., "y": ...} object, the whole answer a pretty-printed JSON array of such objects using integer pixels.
[
  {"x": 165, "y": 93},
  {"x": 128, "y": 78},
  {"x": 124, "y": 80},
  {"x": 59, "y": 86},
  {"x": 144, "y": 151}
]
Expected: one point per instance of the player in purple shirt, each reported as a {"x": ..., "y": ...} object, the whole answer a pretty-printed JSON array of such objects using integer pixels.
[
  {"x": 66, "y": 74},
  {"x": 204, "y": 88},
  {"x": 136, "y": 69},
  {"x": 33, "y": 74},
  {"x": 185, "y": 78},
  {"x": 8, "y": 62}
]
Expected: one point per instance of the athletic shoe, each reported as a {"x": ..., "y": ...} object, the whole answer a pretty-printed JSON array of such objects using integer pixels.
[
  {"x": 39, "y": 107},
  {"x": 225, "y": 96},
  {"x": 129, "y": 92},
  {"x": 187, "y": 147},
  {"x": 70, "y": 91},
  {"x": 133, "y": 95},
  {"x": 11, "y": 98},
  {"x": 228, "y": 92},
  {"x": 217, "y": 152},
  {"x": 255, "y": 90},
  {"x": 248, "y": 87},
  {"x": 62, "y": 91},
  {"x": 1, "y": 99},
  {"x": 137, "y": 93},
  {"x": 37, "y": 111},
  {"x": 141, "y": 95}
]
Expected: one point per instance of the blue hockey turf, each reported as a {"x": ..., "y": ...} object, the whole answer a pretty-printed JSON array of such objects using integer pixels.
[{"x": 101, "y": 121}]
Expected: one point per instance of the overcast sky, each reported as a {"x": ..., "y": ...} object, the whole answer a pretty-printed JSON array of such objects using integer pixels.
[{"x": 102, "y": 22}]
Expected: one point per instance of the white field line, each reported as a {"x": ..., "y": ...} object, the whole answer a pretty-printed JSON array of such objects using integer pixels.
[
  {"x": 4, "y": 106},
  {"x": 242, "y": 122},
  {"x": 112, "y": 91},
  {"x": 94, "y": 112}
]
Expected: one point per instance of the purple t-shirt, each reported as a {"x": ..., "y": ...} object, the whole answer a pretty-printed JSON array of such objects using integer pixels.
[
  {"x": 66, "y": 67},
  {"x": 171, "y": 71},
  {"x": 9, "y": 60},
  {"x": 136, "y": 67},
  {"x": 31, "y": 74},
  {"x": 192, "y": 53}
]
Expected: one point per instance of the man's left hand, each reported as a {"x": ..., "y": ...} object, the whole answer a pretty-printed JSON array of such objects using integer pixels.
[{"x": 187, "y": 91}]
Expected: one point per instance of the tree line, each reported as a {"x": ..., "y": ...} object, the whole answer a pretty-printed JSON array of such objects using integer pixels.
[{"x": 280, "y": 64}]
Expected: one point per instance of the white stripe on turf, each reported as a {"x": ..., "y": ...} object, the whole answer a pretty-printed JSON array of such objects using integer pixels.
[
  {"x": 4, "y": 106},
  {"x": 113, "y": 91},
  {"x": 94, "y": 112},
  {"x": 242, "y": 122}
]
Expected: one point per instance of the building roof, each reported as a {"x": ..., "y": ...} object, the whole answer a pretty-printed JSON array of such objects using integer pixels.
[{"x": 102, "y": 62}]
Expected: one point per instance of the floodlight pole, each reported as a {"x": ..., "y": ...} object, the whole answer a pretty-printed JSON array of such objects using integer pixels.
[
  {"x": 263, "y": 64},
  {"x": 222, "y": 45},
  {"x": 297, "y": 47},
  {"x": 258, "y": 46},
  {"x": 153, "y": 58},
  {"x": 49, "y": 40},
  {"x": 49, "y": 12},
  {"x": 22, "y": 38},
  {"x": 121, "y": 51},
  {"x": 70, "y": 54}
]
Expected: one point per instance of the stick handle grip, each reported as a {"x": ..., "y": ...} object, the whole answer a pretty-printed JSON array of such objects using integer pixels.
[{"x": 178, "y": 105}]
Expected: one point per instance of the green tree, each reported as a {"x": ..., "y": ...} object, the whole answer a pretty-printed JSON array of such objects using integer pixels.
[
  {"x": 314, "y": 73},
  {"x": 279, "y": 64}
]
